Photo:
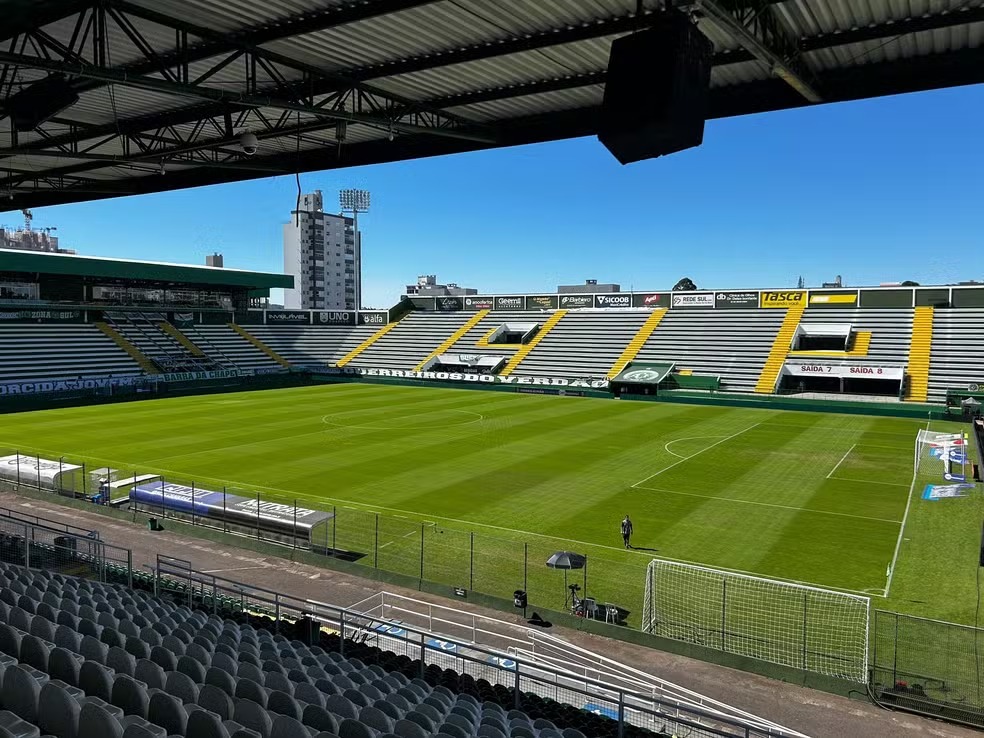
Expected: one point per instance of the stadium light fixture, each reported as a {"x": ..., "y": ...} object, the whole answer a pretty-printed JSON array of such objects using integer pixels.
[{"x": 355, "y": 202}]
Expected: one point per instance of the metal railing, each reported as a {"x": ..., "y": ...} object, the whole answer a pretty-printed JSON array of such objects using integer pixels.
[{"x": 627, "y": 707}]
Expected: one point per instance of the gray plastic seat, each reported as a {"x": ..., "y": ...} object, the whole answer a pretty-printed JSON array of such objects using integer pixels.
[
  {"x": 66, "y": 637},
  {"x": 138, "y": 648},
  {"x": 96, "y": 680},
  {"x": 92, "y": 649},
  {"x": 349, "y": 728},
  {"x": 247, "y": 689},
  {"x": 58, "y": 711},
  {"x": 149, "y": 673},
  {"x": 181, "y": 686},
  {"x": 199, "y": 652},
  {"x": 21, "y": 691},
  {"x": 34, "y": 652},
  {"x": 341, "y": 706},
  {"x": 487, "y": 730},
  {"x": 167, "y": 711},
  {"x": 20, "y": 618},
  {"x": 10, "y": 640},
  {"x": 150, "y": 636},
  {"x": 120, "y": 661},
  {"x": 96, "y": 720},
  {"x": 215, "y": 700},
  {"x": 63, "y": 665},
  {"x": 12, "y": 726},
  {"x": 309, "y": 694},
  {"x": 422, "y": 720},
  {"x": 410, "y": 729},
  {"x": 173, "y": 644},
  {"x": 205, "y": 724},
  {"x": 318, "y": 718},
  {"x": 44, "y": 627},
  {"x": 251, "y": 715},
  {"x": 455, "y": 731},
  {"x": 283, "y": 703},
  {"x": 278, "y": 681},
  {"x": 137, "y": 727},
  {"x": 130, "y": 696},
  {"x": 288, "y": 727},
  {"x": 376, "y": 719},
  {"x": 356, "y": 697},
  {"x": 192, "y": 668},
  {"x": 221, "y": 679}
]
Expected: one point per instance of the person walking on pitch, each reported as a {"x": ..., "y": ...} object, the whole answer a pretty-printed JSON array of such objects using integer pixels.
[{"x": 627, "y": 532}]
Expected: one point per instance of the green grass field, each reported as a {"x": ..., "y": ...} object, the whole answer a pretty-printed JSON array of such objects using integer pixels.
[{"x": 487, "y": 481}]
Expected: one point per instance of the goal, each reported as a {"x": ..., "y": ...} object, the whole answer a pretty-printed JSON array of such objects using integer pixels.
[
  {"x": 809, "y": 628},
  {"x": 945, "y": 452}
]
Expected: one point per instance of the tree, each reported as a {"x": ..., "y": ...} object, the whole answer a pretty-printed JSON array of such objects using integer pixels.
[
  {"x": 686, "y": 285},
  {"x": 910, "y": 283},
  {"x": 800, "y": 283}
]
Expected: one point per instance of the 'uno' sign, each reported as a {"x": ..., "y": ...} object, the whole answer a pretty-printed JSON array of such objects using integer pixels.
[
  {"x": 340, "y": 317},
  {"x": 782, "y": 299}
]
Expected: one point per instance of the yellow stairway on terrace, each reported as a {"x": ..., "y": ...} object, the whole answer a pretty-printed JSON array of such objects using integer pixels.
[
  {"x": 637, "y": 342},
  {"x": 367, "y": 343},
  {"x": 452, "y": 339},
  {"x": 260, "y": 345},
  {"x": 919, "y": 351},
  {"x": 136, "y": 354},
  {"x": 780, "y": 349},
  {"x": 524, "y": 350},
  {"x": 180, "y": 337}
]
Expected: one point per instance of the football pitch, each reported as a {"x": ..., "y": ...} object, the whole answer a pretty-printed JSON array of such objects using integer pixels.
[{"x": 488, "y": 485}]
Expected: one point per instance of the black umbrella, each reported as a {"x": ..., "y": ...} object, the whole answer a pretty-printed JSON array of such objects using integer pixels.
[{"x": 566, "y": 560}]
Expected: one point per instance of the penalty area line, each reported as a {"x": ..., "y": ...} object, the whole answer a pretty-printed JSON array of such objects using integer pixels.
[
  {"x": 687, "y": 458},
  {"x": 842, "y": 460}
]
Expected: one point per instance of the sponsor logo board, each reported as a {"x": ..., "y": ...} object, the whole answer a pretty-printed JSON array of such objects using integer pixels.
[
  {"x": 847, "y": 371},
  {"x": 449, "y": 304},
  {"x": 372, "y": 318},
  {"x": 541, "y": 302},
  {"x": 789, "y": 299},
  {"x": 956, "y": 455},
  {"x": 40, "y": 315},
  {"x": 692, "y": 299},
  {"x": 292, "y": 317},
  {"x": 651, "y": 299},
  {"x": 478, "y": 303},
  {"x": 613, "y": 301},
  {"x": 515, "y": 302},
  {"x": 335, "y": 317},
  {"x": 556, "y": 382},
  {"x": 52, "y": 386},
  {"x": 946, "y": 491},
  {"x": 822, "y": 298},
  {"x": 641, "y": 375},
  {"x": 736, "y": 300},
  {"x": 572, "y": 302}
]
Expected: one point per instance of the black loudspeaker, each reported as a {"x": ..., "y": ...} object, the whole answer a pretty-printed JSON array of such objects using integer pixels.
[
  {"x": 40, "y": 101},
  {"x": 981, "y": 560},
  {"x": 656, "y": 90}
]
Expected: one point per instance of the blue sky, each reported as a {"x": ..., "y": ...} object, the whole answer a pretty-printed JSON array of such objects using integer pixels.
[{"x": 879, "y": 190}]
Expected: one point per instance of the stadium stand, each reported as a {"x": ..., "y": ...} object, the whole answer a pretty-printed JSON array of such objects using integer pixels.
[
  {"x": 80, "y": 659},
  {"x": 221, "y": 340},
  {"x": 885, "y": 332},
  {"x": 411, "y": 340},
  {"x": 67, "y": 351},
  {"x": 586, "y": 343},
  {"x": 730, "y": 344},
  {"x": 957, "y": 357},
  {"x": 311, "y": 345},
  {"x": 143, "y": 331},
  {"x": 475, "y": 339}
]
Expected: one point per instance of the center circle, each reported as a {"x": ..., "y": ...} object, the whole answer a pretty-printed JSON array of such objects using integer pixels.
[{"x": 411, "y": 421}]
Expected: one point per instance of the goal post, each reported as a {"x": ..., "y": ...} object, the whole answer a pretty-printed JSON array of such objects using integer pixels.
[
  {"x": 794, "y": 625},
  {"x": 943, "y": 452}
]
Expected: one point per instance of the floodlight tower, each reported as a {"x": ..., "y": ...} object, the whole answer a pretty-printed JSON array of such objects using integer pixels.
[{"x": 355, "y": 202}]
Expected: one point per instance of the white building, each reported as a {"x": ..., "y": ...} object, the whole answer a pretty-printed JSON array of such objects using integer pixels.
[{"x": 324, "y": 254}]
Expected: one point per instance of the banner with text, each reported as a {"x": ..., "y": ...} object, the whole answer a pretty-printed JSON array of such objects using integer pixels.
[
  {"x": 833, "y": 299},
  {"x": 41, "y": 316},
  {"x": 288, "y": 317},
  {"x": 736, "y": 300},
  {"x": 847, "y": 371},
  {"x": 334, "y": 317},
  {"x": 573, "y": 302},
  {"x": 613, "y": 301},
  {"x": 449, "y": 304},
  {"x": 376, "y": 317},
  {"x": 514, "y": 302},
  {"x": 651, "y": 299},
  {"x": 541, "y": 302},
  {"x": 692, "y": 300},
  {"x": 782, "y": 299},
  {"x": 478, "y": 303},
  {"x": 560, "y": 382}
]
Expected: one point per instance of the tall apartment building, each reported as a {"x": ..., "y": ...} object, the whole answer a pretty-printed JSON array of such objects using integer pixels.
[{"x": 323, "y": 252}]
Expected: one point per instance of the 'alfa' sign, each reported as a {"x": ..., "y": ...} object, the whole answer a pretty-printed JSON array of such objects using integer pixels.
[{"x": 782, "y": 299}]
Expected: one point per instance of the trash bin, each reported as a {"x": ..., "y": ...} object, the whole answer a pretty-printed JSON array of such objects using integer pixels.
[{"x": 152, "y": 524}]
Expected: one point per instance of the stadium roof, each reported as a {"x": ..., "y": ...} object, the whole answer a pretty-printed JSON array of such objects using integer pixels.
[
  {"x": 166, "y": 87},
  {"x": 40, "y": 262}
]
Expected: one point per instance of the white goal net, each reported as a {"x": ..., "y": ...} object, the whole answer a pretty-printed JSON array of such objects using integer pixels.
[
  {"x": 943, "y": 452},
  {"x": 803, "y": 627}
]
